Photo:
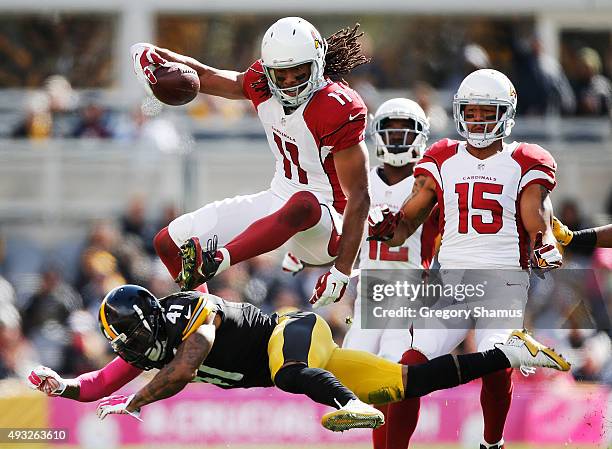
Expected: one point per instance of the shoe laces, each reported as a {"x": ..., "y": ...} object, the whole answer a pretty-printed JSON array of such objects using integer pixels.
[
  {"x": 527, "y": 370},
  {"x": 211, "y": 244}
]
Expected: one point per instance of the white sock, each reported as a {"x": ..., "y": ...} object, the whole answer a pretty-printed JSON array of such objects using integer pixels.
[
  {"x": 487, "y": 445},
  {"x": 225, "y": 263}
]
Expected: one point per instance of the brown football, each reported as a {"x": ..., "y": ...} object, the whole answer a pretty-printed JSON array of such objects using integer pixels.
[{"x": 177, "y": 84}]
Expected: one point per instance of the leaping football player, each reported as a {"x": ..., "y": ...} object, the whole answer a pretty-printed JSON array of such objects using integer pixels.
[
  {"x": 198, "y": 337},
  {"x": 315, "y": 126},
  {"x": 494, "y": 203}
]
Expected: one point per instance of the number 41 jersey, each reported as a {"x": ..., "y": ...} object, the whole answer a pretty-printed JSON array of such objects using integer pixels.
[
  {"x": 239, "y": 356},
  {"x": 305, "y": 141},
  {"x": 480, "y": 220}
]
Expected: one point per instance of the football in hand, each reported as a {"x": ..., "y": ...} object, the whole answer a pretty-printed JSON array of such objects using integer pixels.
[{"x": 177, "y": 84}]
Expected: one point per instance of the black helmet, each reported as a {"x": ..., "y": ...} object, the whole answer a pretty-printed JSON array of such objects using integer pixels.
[{"x": 132, "y": 319}]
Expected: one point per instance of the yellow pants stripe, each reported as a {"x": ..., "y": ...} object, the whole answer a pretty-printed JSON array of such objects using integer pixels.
[
  {"x": 316, "y": 351},
  {"x": 373, "y": 379}
]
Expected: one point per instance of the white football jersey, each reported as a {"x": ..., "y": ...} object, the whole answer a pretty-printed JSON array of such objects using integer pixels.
[
  {"x": 479, "y": 199},
  {"x": 417, "y": 250},
  {"x": 305, "y": 141}
]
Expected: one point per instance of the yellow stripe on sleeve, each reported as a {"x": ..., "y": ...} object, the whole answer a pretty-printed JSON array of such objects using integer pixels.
[
  {"x": 195, "y": 313},
  {"x": 199, "y": 317}
]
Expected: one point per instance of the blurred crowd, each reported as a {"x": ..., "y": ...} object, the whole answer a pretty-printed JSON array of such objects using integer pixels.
[
  {"x": 58, "y": 111},
  {"x": 577, "y": 83},
  {"x": 544, "y": 89},
  {"x": 48, "y": 308}
]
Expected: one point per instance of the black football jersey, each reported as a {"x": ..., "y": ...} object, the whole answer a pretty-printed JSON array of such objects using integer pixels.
[{"x": 239, "y": 356}]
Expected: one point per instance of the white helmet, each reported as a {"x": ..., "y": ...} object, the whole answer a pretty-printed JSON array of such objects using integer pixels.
[
  {"x": 405, "y": 153},
  {"x": 290, "y": 42},
  {"x": 486, "y": 87}
]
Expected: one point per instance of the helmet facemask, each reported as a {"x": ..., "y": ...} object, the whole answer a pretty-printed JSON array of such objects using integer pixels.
[
  {"x": 142, "y": 348},
  {"x": 493, "y": 130},
  {"x": 395, "y": 146},
  {"x": 294, "y": 96}
]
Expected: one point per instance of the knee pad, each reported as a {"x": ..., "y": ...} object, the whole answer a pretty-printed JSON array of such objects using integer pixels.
[{"x": 302, "y": 211}]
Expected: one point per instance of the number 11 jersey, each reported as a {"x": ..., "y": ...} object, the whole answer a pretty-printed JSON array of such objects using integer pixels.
[
  {"x": 304, "y": 142},
  {"x": 479, "y": 199}
]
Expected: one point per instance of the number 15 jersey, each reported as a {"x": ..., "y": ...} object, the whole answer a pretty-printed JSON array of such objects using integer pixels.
[
  {"x": 480, "y": 220},
  {"x": 305, "y": 141}
]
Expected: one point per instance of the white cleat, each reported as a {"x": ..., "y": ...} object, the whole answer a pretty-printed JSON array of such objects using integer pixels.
[
  {"x": 355, "y": 414},
  {"x": 522, "y": 350}
]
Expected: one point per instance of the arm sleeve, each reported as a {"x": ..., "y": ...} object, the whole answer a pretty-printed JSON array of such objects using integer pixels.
[{"x": 98, "y": 384}]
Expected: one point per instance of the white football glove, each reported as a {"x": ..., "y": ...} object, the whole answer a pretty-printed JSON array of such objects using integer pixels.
[
  {"x": 330, "y": 288},
  {"x": 46, "y": 380},
  {"x": 145, "y": 61},
  {"x": 382, "y": 223},
  {"x": 292, "y": 264},
  {"x": 545, "y": 257},
  {"x": 116, "y": 405}
]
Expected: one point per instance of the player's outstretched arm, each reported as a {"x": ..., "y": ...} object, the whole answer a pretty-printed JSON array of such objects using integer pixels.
[
  {"x": 173, "y": 377},
  {"x": 352, "y": 168},
  {"x": 221, "y": 83},
  {"x": 416, "y": 209},
  {"x": 600, "y": 237},
  {"x": 537, "y": 214},
  {"x": 87, "y": 387}
]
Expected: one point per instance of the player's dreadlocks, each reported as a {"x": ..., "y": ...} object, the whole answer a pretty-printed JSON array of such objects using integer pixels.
[{"x": 343, "y": 55}]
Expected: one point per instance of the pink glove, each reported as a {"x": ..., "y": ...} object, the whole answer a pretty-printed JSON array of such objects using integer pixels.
[
  {"x": 116, "y": 404},
  {"x": 46, "y": 380}
]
